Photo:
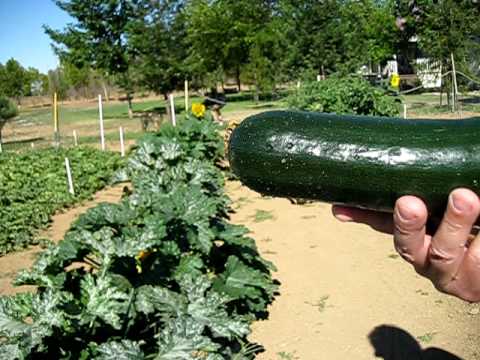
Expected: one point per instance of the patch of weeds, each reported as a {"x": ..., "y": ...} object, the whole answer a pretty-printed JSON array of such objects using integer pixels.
[
  {"x": 267, "y": 240},
  {"x": 438, "y": 301},
  {"x": 287, "y": 355},
  {"x": 426, "y": 338},
  {"x": 393, "y": 256},
  {"x": 307, "y": 217},
  {"x": 242, "y": 201},
  {"x": 320, "y": 304},
  {"x": 263, "y": 215},
  {"x": 422, "y": 292},
  {"x": 269, "y": 252}
]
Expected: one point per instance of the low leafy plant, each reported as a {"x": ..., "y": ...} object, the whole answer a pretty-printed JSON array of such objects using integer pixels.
[
  {"x": 351, "y": 95},
  {"x": 161, "y": 275},
  {"x": 33, "y": 187}
]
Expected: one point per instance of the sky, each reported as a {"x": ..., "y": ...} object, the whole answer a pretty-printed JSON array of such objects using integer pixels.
[{"x": 21, "y": 33}]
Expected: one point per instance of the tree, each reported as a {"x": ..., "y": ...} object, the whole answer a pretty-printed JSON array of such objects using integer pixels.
[
  {"x": 8, "y": 110},
  {"x": 14, "y": 79},
  {"x": 157, "y": 38},
  {"x": 222, "y": 33},
  {"x": 99, "y": 38}
]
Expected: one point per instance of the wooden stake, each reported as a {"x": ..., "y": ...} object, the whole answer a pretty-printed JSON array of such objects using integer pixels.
[
  {"x": 75, "y": 138},
  {"x": 172, "y": 110},
  {"x": 186, "y": 96},
  {"x": 102, "y": 131},
  {"x": 56, "y": 134},
  {"x": 122, "y": 142},
  {"x": 71, "y": 190}
]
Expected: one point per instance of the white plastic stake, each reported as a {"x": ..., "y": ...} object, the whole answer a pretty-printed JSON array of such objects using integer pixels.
[
  {"x": 319, "y": 78},
  {"x": 172, "y": 110},
  {"x": 75, "y": 138},
  {"x": 122, "y": 142},
  {"x": 186, "y": 96},
  {"x": 102, "y": 131},
  {"x": 32, "y": 145},
  {"x": 69, "y": 177},
  {"x": 299, "y": 84},
  {"x": 404, "y": 111}
]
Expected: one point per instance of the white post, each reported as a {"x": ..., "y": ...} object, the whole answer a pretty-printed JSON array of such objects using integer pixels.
[
  {"x": 32, "y": 145},
  {"x": 172, "y": 110},
  {"x": 1, "y": 149},
  {"x": 122, "y": 142},
  {"x": 455, "y": 85},
  {"x": 186, "y": 96},
  {"x": 299, "y": 84},
  {"x": 319, "y": 78},
  {"x": 404, "y": 111},
  {"x": 75, "y": 138},
  {"x": 69, "y": 177},
  {"x": 102, "y": 131}
]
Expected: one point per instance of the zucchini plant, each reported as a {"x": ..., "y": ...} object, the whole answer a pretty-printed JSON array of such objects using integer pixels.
[{"x": 161, "y": 275}]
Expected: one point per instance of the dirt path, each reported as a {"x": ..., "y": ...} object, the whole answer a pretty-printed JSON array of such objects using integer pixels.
[
  {"x": 12, "y": 263},
  {"x": 340, "y": 283}
]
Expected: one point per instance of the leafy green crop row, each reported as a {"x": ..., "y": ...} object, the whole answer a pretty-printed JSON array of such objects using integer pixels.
[
  {"x": 349, "y": 95},
  {"x": 161, "y": 275},
  {"x": 33, "y": 186}
]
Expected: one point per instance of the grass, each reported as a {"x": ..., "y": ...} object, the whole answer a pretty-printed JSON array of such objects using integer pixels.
[
  {"x": 321, "y": 304},
  {"x": 426, "y": 338},
  {"x": 283, "y": 355},
  {"x": 262, "y": 215},
  {"x": 115, "y": 111}
]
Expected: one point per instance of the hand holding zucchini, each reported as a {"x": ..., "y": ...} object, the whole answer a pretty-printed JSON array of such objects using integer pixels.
[{"x": 366, "y": 162}]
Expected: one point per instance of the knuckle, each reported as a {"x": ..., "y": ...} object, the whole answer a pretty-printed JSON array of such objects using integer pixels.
[
  {"x": 404, "y": 252},
  {"x": 441, "y": 256}
]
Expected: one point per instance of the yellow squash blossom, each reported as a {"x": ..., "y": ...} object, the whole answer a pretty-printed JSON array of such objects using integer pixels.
[{"x": 198, "y": 110}]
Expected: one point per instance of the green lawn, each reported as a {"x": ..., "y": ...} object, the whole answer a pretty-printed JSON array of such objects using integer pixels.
[{"x": 118, "y": 111}]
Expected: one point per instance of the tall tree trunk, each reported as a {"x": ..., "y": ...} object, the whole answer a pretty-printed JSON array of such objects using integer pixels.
[
  {"x": 167, "y": 106},
  {"x": 130, "y": 107},
  {"x": 105, "y": 91},
  {"x": 256, "y": 95},
  {"x": 239, "y": 83}
]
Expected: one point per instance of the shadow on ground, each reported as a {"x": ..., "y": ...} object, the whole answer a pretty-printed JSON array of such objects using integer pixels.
[{"x": 392, "y": 343}]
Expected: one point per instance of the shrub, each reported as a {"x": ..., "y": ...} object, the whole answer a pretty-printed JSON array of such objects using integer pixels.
[
  {"x": 8, "y": 109},
  {"x": 344, "y": 96}
]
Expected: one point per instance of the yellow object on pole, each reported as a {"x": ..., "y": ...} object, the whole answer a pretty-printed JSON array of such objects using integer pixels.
[{"x": 395, "y": 81}]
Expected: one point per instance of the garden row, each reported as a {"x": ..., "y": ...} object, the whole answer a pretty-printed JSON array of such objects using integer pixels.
[
  {"x": 161, "y": 275},
  {"x": 33, "y": 186}
]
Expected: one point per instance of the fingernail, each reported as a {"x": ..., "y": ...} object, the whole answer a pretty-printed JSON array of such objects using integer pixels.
[
  {"x": 405, "y": 213},
  {"x": 458, "y": 203},
  {"x": 343, "y": 218}
]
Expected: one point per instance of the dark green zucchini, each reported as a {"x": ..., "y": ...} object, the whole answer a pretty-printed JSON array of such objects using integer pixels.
[{"x": 359, "y": 161}]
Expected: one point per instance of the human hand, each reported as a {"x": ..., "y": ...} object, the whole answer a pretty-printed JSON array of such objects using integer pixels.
[{"x": 450, "y": 258}]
